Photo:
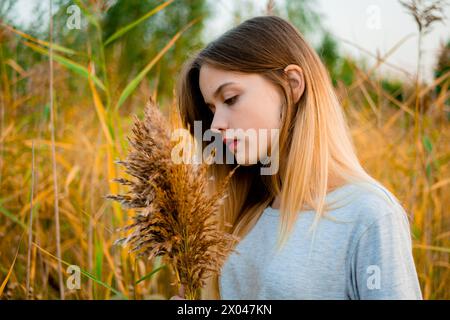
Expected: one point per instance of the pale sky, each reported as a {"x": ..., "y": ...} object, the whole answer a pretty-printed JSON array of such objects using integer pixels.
[
  {"x": 355, "y": 21},
  {"x": 375, "y": 25}
]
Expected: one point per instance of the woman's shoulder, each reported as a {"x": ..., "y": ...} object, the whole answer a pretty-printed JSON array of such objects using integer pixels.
[{"x": 370, "y": 202}]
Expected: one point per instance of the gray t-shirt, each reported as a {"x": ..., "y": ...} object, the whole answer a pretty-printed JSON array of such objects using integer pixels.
[{"x": 367, "y": 254}]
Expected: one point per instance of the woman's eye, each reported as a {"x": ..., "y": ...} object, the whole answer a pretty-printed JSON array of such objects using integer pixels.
[{"x": 231, "y": 100}]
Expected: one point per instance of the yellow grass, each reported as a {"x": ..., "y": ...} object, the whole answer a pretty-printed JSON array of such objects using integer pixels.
[{"x": 404, "y": 148}]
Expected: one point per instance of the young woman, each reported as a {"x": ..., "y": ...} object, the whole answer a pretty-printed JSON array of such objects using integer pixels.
[{"x": 341, "y": 234}]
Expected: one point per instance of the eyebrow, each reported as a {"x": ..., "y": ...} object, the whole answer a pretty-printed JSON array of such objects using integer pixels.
[{"x": 220, "y": 88}]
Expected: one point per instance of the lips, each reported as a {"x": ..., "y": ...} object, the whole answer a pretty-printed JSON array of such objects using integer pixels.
[{"x": 231, "y": 143}]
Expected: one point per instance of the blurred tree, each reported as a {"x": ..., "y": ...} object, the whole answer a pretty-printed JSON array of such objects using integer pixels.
[
  {"x": 137, "y": 47},
  {"x": 301, "y": 13},
  {"x": 394, "y": 88},
  {"x": 305, "y": 16},
  {"x": 129, "y": 54},
  {"x": 329, "y": 53},
  {"x": 5, "y": 9}
]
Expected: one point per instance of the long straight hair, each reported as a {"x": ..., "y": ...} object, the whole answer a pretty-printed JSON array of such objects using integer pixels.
[{"x": 314, "y": 141}]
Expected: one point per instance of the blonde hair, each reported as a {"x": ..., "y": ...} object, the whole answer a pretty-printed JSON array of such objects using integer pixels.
[{"x": 315, "y": 141}]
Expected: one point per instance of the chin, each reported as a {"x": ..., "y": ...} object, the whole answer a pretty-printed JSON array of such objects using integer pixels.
[{"x": 243, "y": 161}]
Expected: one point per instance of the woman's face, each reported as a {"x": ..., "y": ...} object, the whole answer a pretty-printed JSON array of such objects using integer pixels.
[{"x": 246, "y": 107}]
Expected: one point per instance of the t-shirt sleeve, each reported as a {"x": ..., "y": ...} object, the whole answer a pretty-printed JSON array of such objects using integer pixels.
[{"x": 382, "y": 264}]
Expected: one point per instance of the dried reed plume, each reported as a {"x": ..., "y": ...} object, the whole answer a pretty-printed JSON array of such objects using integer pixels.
[
  {"x": 426, "y": 12},
  {"x": 175, "y": 216},
  {"x": 270, "y": 6}
]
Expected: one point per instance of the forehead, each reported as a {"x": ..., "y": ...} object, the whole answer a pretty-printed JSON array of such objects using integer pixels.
[{"x": 210, "y": 78}]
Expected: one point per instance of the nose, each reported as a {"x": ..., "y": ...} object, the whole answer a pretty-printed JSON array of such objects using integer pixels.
[{"x": 219, "y": 122}]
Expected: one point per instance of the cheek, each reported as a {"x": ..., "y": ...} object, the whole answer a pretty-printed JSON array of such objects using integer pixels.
[
  {"x": 258, "y": 112},
  {"x": 247, "y": 151},
  {"x": 261, "y": 113},
  {"x": 254, "y": 147}
]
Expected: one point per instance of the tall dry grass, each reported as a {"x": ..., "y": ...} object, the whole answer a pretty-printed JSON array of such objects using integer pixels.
[{"x": 90, "y": 134}]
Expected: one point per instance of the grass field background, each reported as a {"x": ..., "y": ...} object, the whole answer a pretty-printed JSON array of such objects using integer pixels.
[{"x": 57, "y": 151}]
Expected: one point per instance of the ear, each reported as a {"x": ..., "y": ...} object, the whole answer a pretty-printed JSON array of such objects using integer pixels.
[{"x": 296, "y": 80}]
